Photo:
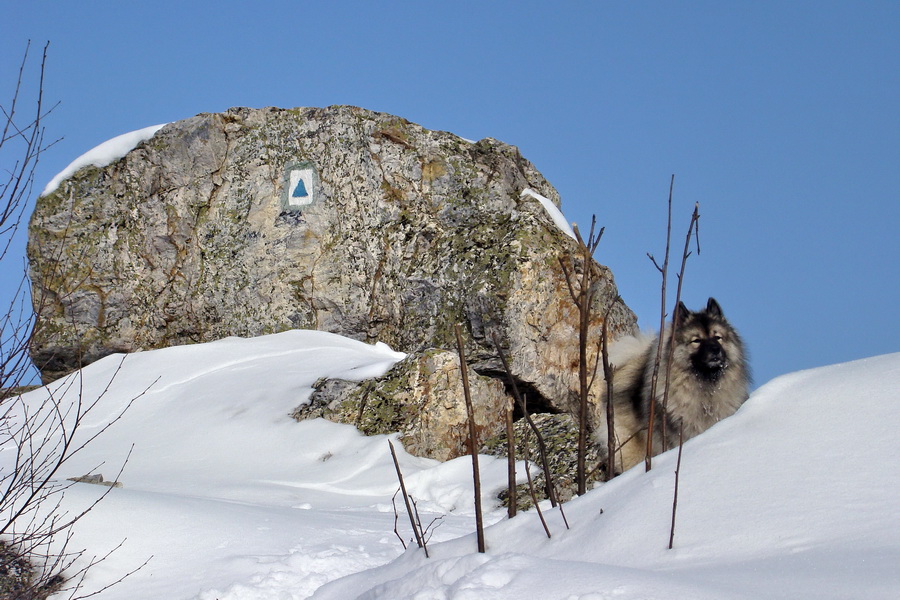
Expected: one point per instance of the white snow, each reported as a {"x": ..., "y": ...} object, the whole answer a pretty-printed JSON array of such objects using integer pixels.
[
  {"x": 104, "y": 154},
  {"x": 558, "y": 218},
  {"x": 794, "y": 497}
]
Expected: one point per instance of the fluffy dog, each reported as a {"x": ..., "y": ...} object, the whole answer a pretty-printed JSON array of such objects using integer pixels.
[{"x": 708, "y": 380}]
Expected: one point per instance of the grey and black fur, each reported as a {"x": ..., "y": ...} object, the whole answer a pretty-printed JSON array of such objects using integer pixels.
[{"x": 708, "y": 381}]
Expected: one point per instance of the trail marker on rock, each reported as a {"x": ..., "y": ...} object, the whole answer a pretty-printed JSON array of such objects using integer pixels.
[{"x": 299, "y": 186}]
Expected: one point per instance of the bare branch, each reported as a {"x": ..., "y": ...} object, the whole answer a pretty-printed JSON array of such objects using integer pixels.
[
  {"x": 664, "y": 270},
  {"x": 693, "y": 229},
  {"x": 510, "y": 462},
  {"x": 397, "y": 518},
  {"x": 583, "y": 297},
  {"x": 406, "y": 498},
  {"x": 38, "y": 434},
  {"x": 542, "y": 446},
  {"x": 534, "y": 498},
  {"x": 675, "y": 494},
  {"x": 610, "y": 410},
  {"x": 473, "y": 440}
]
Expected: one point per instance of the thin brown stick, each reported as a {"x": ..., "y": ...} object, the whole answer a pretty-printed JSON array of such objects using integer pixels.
[
  {"x": 664, "y": 271},
  {"x": 542, "y": 446},
  {"x": 473, "y": 440},
  {"x": 427, "y": 532},
  {"x": 693, "y": 229},
  {"x": 675, "y": 495},
  {"x": 422, "y": 530},
  {"x": 511, "y": 504},
  {"x": 583, "y": 299},
  {"x": 397, "y": 518},
  {"x": 676, "y": 315},
  {"x": 409, "y": 511},
  {"x": 610, "y": 410},
  {"x": 534, "y": 498}
]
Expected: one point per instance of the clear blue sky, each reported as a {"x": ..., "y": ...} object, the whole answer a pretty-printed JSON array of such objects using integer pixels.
[{"x": 781, "y": 118}]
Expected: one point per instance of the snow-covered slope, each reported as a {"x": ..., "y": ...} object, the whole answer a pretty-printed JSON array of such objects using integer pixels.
[{"x": 793, "y": 497}]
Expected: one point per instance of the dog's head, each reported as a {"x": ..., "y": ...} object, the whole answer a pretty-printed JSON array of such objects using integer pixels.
[{"x": 708, "y": 339}]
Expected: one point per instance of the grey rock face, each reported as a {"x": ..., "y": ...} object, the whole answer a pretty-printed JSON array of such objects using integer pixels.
[{"x": 340, "y": 219}]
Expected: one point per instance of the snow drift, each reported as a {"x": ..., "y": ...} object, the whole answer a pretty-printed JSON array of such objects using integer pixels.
[{"x": 793, "y": 497}]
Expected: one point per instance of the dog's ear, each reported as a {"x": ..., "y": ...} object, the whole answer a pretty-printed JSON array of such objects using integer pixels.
[
  {"x": 713, "y": 309},
  {"x": 682, "y": 314}
]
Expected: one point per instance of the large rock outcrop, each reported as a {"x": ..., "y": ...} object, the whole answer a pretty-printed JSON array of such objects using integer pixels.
[{"x": 340, "y": 219}]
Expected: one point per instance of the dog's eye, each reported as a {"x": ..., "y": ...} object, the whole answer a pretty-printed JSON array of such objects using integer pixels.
[
  {"x": 696, "y": 341},
  {"x": 718, "y": 337}
]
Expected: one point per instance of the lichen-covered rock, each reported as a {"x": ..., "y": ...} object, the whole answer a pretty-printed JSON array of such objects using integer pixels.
[
  {"x": 421, "y": 397},
  {"x": 339, "y": 219}
]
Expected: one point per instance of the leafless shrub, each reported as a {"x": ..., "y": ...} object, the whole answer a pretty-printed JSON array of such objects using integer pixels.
[
  {"x": 692, "y": 232},
  {"x": 583, "y": 291},
  {"x": 42, "y": 431},
  {"x": 414, "y": 522},
  {"x": 654, "y": 381}
]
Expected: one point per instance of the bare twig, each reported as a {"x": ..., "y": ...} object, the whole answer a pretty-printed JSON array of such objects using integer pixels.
[
  {"x": 583, "y": 297},
  {"x": 94, "y": 562},
  {"x": 473, "y": 440},
  {"x": 418, "y": 521},
  {"x": 534, "y": 498},
  {"x": 542, "y": 446},
  {"x": 427, "y": 532},
  {"x": 664, "y": 271},
  {"x": 693, "y": 230},
  {"x": 397, "y": 518},
  {"x": 675, "y": 494},
  {"x": 510, "y": 462},
  {"x": 610, "y": 411},
  {"x": 406, "y": 498},
  {"x": 38, "y": 436}
]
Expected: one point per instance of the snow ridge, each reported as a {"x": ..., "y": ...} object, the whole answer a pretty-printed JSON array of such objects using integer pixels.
[
  {"x": 559, "y": 219},
  {"x": 104, "y": 154}
]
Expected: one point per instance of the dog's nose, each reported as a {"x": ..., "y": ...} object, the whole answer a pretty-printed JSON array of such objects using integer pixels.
[{"x": 715, "y": 354}]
